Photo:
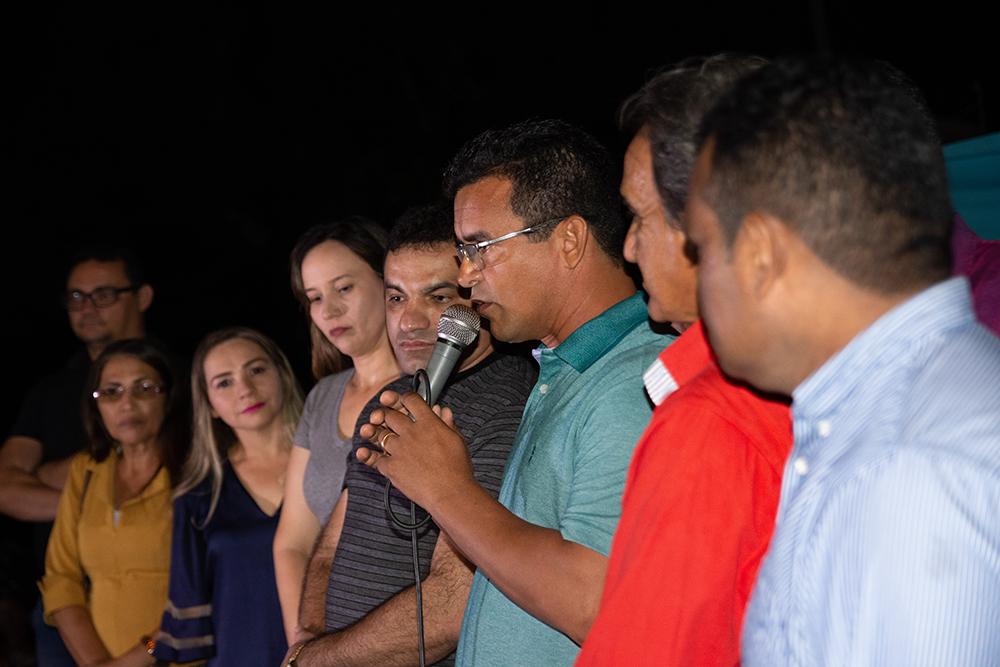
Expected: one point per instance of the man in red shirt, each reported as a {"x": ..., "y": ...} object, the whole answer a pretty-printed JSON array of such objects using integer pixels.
[{"x": 702, "y": 490}]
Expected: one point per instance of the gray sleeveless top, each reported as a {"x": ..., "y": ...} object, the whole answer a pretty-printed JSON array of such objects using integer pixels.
[{"x": 318, "y": 432}]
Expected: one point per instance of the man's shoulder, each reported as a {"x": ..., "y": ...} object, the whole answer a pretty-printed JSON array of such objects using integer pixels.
[
  {"x": 500, "y": 378},
  {"x": 952, "y": 400}
]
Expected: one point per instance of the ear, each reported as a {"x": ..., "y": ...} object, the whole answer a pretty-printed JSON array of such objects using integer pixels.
[
  {"x": 145, "y": 296},
  {"x": 573, "y": 234},
  {"x": 761, "y": 248}
]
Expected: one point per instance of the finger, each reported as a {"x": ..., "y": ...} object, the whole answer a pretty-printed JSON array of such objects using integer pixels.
[
  {"x": 448, "y": 417},
  {"x": 390, "y": 399},
  {"x": 377, "y": 417},
  {"x": 403, "y": 422},
  {"x": 369, "y": 457},
  {"x": 416, "y": 406}
]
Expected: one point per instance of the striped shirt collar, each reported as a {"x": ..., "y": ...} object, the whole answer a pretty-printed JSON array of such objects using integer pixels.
[
  {"x": 901, "y": 331},
  {"x": 680, "y": 362}
]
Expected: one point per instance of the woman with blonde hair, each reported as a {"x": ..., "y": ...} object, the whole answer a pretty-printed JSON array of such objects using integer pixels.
[
  {"x": 223, "y": 603},
  {"x": 337, "y": 276}
]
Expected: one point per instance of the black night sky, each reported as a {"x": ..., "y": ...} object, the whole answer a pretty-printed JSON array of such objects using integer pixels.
[{"x": 208, "y": 138}]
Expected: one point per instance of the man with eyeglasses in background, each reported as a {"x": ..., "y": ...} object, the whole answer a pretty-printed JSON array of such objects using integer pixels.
[
  {"x": 105, "y": 299},
  {"x": 541, "y": 228}
]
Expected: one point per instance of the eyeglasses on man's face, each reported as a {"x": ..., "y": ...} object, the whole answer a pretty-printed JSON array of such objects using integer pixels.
[
  {"x": 474, "y": 251},
  {"x": 102, "y": 297},
  {"x": 143, "y": 390}
]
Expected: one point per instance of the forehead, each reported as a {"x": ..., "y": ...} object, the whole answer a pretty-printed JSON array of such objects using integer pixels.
[
  {"x": 638, "y": 186},
  {"x": 328, "y": 260},
  {"x": 235, "y": 351},
  {"x": 483, "y": 212},
  {"x": 91, "y": 273},
  {"x": 124, "y": 368},
  {"x": 416, "y": 268}
]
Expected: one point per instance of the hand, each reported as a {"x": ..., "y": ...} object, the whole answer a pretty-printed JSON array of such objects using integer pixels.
[
  {"x": 54, "y": 473},
  {"x": 293, "y": 650},
  {"x": 303, "y": 635},
  {"x": 424, "y": 455}
]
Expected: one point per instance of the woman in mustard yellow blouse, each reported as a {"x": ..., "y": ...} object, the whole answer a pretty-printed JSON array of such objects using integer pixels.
[{"x": 107, "y": 563}]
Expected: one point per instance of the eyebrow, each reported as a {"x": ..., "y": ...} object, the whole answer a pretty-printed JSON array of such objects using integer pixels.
[
  {"x": 225, "y": 373},
  {"x": 331, "y": 280},
  {"x": 394, "y": 286},
  {"x": 441, "y": 285}
]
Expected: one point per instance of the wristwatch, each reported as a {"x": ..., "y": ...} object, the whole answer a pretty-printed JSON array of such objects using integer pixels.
[{"x": 293, "y": 659}]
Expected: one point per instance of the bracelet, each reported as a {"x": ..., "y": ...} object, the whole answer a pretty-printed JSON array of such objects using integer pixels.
[{"x": 292, "y": 659}]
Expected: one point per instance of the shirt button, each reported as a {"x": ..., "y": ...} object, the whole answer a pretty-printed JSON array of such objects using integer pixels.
[
  {"x": 801, "y": 466},
  {"x": 823, "y": 427},
  {"x": 543, "y": 389}
]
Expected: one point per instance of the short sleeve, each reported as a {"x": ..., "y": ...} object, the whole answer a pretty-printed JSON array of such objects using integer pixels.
[
  {"x": 303, "y": 433},
  {"x": 605, "y": 439},
  {"x": 63, "y": 582},
  {"x": 186, "y": 630}
]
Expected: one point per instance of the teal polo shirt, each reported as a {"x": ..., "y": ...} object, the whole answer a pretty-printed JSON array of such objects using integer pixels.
[{"x": 567, "y": 469}]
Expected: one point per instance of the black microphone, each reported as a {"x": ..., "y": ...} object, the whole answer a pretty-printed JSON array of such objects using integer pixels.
[{"x": 457, "y": 328}]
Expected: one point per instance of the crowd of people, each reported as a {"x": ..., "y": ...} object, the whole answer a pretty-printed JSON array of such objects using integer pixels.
[{"x": 782, "y": 448}]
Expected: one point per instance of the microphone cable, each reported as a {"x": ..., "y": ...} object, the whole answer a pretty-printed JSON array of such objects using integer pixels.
[{"x": 414, "y": 526}]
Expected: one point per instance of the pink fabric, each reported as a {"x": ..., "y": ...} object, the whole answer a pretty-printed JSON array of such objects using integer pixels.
[{"x": 979, "y": 260}]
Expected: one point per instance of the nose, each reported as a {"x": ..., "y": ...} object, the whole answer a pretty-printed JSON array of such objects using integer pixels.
[
  {"x": 245, "y": 385},
  {"x": 414, "y": 319},
  {"x": 468, "y": 274},
  {"x": 630, "y": 242},
  {"x": 332, "y": 307}
]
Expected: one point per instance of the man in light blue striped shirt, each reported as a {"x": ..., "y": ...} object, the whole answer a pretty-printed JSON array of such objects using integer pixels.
[{"x": 820, "y": 214}]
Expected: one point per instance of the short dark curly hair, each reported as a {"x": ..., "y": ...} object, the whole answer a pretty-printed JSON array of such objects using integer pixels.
[
  {"x": 423, "y": 227},
  {"x": 555, "y": 169},
  {"x": 845, "y": 152}
]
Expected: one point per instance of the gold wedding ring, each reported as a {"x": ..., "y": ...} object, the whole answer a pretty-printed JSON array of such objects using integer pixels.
[{"x": 383, "y": 438}]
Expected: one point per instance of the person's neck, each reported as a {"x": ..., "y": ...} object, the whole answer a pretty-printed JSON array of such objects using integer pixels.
[
  {"x": 140, "y": 456},
  {"x": 95, "y": 348},
  {"x": 591, "y": 292},
  {"x": 266, "y": 443},
  {"x": 376, "y": 368},
  {"x": 849, "y": 311}
]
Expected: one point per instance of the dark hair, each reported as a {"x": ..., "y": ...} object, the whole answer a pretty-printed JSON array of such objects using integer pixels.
[
  {"x": 555, "y": 170},
  {"x": 423, "y": 227},
  {"x": 670, "y": 107},
  {"x": 366, "y": 239},
  {"x": 108, "y": 253},
  {"x": 174, "y": 431},
  {"x": 846, "y": 154}
]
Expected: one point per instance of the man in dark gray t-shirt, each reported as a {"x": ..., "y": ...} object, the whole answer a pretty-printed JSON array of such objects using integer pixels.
[{"x": 366, "y": 614}]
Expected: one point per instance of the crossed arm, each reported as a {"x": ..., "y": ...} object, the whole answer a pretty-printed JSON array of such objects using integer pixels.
[
  {"x": 29, "y": 491},
  {"x": 387, "y": 635}
]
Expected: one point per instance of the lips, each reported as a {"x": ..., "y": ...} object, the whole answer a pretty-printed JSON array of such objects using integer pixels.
[
  {"x": 253, "y": 408},
  {"x": 411, "y": 345},
  {"x": 337, "y": 331}
]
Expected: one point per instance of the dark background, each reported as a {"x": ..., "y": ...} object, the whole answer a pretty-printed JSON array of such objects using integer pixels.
[{"x": 209, "y": 138}]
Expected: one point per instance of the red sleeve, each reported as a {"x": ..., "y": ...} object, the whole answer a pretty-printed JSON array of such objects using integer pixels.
[{"x": 696, "y": 522}]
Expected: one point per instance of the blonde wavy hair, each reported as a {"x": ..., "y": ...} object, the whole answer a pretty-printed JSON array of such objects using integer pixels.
[{"x": 212, "y": 437}]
